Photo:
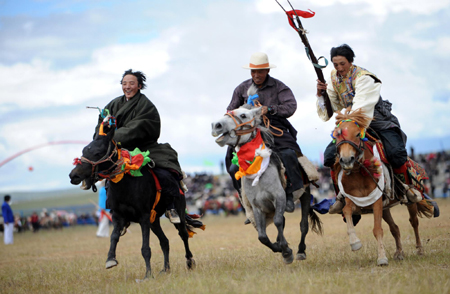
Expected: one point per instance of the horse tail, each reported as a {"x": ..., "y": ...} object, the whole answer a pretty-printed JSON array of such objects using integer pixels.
[
  {"x": 425, "y": 208},
  {"x": 316, "y": 224}
]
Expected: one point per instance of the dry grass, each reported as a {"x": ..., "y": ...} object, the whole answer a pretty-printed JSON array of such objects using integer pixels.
[{"x": 230, "y": 259}]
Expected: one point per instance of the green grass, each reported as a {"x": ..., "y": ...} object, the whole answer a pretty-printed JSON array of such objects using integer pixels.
[{"x": 230, "y": 259}]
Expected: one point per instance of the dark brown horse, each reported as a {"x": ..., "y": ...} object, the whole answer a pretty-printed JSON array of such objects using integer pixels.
[{"x": 362, "y": 180}]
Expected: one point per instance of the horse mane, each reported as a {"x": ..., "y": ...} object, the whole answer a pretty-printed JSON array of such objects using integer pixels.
[
  {"x": 358, "y": 116},
  {"x": 252, "y": 90}
]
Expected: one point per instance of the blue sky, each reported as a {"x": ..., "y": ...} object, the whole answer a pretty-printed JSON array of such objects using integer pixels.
[{"x": 57, "y": 57}]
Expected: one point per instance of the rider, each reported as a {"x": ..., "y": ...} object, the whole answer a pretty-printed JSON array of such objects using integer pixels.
[
  {"x": 139, "y": 125},
  {"x": 355, "y": 87},
  {"x": 278, "y": 104}
]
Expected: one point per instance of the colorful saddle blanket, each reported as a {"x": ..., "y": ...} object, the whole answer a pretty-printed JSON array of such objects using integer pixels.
[{"x": 416, "y": 173}]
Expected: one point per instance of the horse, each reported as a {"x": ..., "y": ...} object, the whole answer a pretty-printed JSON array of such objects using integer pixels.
[
  {"x": 131, "y": 199},
  {"x": 369, "y": 185},
  {"x": 264, "y": 198}
]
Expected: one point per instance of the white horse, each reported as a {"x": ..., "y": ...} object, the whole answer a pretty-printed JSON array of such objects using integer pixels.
[{"x": 263, "y": 194}]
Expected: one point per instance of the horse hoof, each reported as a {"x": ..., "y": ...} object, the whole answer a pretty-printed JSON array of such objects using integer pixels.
[
  {"x": 111, "y": 263},
  {"x": 420, "y": 251},
  {"x": 190, "y": 263},
  {"x": 356, "y": 246},
  {"x": 382, "y": 261},
  {"x": 398, "y": 255},
  {"x": 289, "y": 259},
  {"x": 301, "y": 256}
]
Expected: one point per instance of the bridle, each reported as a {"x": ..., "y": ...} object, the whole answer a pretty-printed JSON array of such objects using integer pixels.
[
  {"x": 112, "y": 171},
  {"x": 359, "y": 148},
  {"x": 241, "y": 128}
]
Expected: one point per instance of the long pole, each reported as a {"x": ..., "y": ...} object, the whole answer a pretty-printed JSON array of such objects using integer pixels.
[{"x": 301, "y": 32}]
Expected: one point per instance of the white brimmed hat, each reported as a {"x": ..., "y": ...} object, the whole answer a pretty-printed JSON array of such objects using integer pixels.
[{"x": 259, "y": 60}]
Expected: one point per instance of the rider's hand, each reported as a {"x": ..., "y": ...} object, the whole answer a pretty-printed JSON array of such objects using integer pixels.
[{"x": 321, "y": 87}]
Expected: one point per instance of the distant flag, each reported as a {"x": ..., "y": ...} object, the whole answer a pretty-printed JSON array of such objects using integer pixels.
[{"x": 30, "y": 168}]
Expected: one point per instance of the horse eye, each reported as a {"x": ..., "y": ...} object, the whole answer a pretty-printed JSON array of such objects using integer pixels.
[
  {"x": 243, "y": 116},
  {"x": 358, "y": 135}
]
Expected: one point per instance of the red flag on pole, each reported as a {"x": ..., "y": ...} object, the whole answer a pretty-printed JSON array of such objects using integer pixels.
[{"x": 301, "y": 13}]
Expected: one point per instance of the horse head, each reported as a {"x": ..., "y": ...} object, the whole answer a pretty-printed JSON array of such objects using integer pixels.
[
  {"x": 237, "y": 126},
  {"x": 97, "y": 157},
  {"x": 349, "y": 135}
]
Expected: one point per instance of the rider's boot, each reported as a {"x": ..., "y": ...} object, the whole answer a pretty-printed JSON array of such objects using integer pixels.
[
  {"x": 339, "y": 204},
  {"x": 173, "y": 216},
  {"x": 411, "y": 192},
  {"x": 290, "y": 206}
]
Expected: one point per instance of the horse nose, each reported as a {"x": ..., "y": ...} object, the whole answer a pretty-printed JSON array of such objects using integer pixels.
[
  {"x": 346, "y": 161},
  {"x": 216, "y": 128}
]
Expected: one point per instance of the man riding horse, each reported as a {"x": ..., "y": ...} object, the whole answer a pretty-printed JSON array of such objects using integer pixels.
[
  {"x": 139, "y": 125},
  {"x": 278, "y": 104},
  {"x": 355, "y": 87}
]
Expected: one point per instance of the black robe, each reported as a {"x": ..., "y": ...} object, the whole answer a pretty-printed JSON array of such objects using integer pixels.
[{"x": 139, "y": 125}]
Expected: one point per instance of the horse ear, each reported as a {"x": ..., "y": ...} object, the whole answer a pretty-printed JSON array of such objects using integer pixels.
[{"x": 257, "y": 111}]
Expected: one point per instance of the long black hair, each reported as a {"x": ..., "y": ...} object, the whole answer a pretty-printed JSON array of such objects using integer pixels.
[
  {"x": 343, "y": 50},
  {"x": 139, "y": 75}
]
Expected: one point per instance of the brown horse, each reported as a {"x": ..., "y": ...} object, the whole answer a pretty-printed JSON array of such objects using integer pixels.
[{"x": 368, "y": 185}]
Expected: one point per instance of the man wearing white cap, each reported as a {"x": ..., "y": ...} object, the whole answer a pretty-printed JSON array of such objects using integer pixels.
[{"x": 278, "y": 103}]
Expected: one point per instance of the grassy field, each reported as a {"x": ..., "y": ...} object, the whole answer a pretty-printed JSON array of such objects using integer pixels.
[{"x": 230, "y": 259}]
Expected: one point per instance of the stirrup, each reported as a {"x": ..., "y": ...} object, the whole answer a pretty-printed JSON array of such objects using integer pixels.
[{"x": 172, "y": 215}]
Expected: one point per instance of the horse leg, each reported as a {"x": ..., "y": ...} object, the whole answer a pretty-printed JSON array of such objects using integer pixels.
[
  {"x": 279, "y": 222},
  {"x": 145, "y": 249},
  {"x": 395, "y": 231},
  {"x": 260, "y": 224},
  {"x": 378, "y": 231},
  {"x": 414, "y": 220},
  {"x": 355, "y": 243},
  {"x": 305, "y": 202},
  {"x": 119, "y": 224},
  {"x": 183, "y": 233},
  {"x": 163, "y": 242}
]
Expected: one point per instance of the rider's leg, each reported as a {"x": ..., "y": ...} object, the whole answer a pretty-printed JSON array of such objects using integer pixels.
[
  {"x": 171, "y": 189},
  {"x": 329, "y": 158},
  {"x": 397, "y": 156},
  {"x": 294, "y": 175}
]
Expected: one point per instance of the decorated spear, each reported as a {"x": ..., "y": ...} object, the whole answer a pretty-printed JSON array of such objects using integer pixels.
[{"x": 309, "y": 52}]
